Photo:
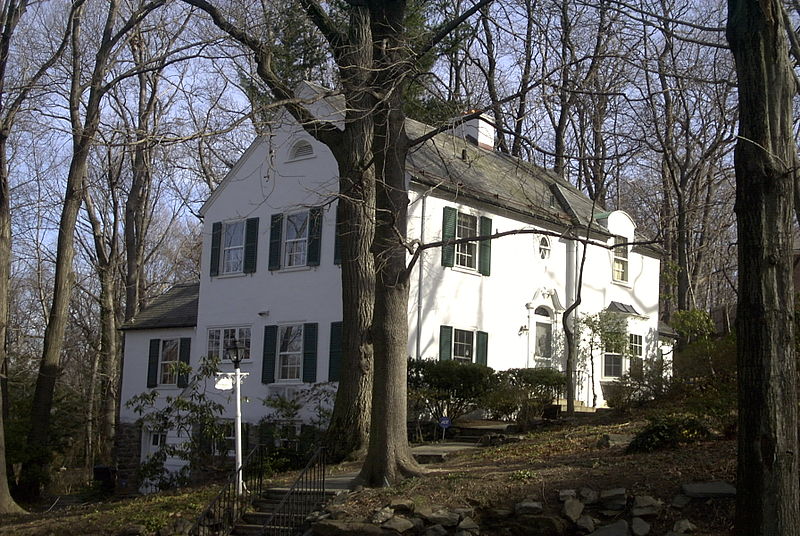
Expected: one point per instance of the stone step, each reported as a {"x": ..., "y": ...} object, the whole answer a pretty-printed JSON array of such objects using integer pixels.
[{"x": 246, "y": 529}]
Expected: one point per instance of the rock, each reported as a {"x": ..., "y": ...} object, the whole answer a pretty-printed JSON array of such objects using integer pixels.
[
  {"x": 315, "y": 516},
  {"x": 337, "y": 512},
  {"x": 640, "y": 501},
  {"x": 587, "y": 495},
  {"x": 645, "y": 511},
  {"x": 436, "y": 530},
  {"x": 464, "y": 511},
  {"x": 640, "y": 527},
  {"x": 610, "y": 513},
  {"x": 618, "y": 528},
  {"x": 614, "y": 440},
  {"x": 682, "y": 526},
  {"x": 402, "y": 506},
  {"x": 680, "y": 500},
  {"x": 399, "y": 524},
  {"x": 445, "y": 518},
  {"x": 176, "y": 527},
  {"x": 586, "y": 523},
  {"x": 564, "y": 494},
  {"x": 468, "y": 524},
  {"x": 382, "y": 516},
  {"x": 573, "y": 508},
  {"x": 133, "y": 530},
  {"x": 502, "y": 512},
  {"x": 528, "y": 508},
  {"x": 708, "y": 490},
  {"x": 613, "y": 493},
  {"x": 418, "y": 524},
  {"x": 331, "y": 527}
]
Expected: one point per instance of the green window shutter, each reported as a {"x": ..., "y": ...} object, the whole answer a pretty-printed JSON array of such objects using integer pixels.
[
  {"x": 275, "y": 232},
  {"x": 250, "y": 245},
  {"x": 485, "y": 247},
  {"x": 268, "y": 358},
  {"x": 216, "y": 242},
  {"x": 310, "y": 353},
  {"x": 152, "y": 363},
  {"x": 183, "y": 356},
  {"x": 445, "y": 343},
  {"x": 337, "y": 246},
  {"x": 335, "y": 352},
  {"x": 481, "y": 347},
  {"x": 449, "y": 217},
  {"x": 314, "y": 236}
]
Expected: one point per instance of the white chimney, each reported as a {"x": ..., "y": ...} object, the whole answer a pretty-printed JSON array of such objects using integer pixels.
[{"x": 478, "y": 131}]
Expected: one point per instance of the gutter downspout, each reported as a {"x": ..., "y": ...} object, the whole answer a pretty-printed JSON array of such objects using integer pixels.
[{"x": 420, "y": 265}]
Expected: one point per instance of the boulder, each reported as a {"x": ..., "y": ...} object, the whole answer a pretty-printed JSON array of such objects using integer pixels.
[
  {"x": 587, "y": 495},
  {"x": 640, "y": 527},
  {"x": 528, "y": 508},
  {"x": 586, "y": 523},
  {"x": 399, "y": 524},
  {"x": 435, "y": 530},
  {"x": 564, "y": 494},
  {"x": 573, "y": 508},
  {"x": 682, "y": 526},
  {"x": 445, "y": 518},
  {"x": 468, "y": 524},
  {"x": 708, "y": 490},
  {"x": 402, "y": 506},
  {"x": 680, "y": 500},
  {"x": 382, "y": 516}
]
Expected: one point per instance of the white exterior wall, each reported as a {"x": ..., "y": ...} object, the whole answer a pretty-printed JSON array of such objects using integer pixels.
[{"x": 265, "y": 182}]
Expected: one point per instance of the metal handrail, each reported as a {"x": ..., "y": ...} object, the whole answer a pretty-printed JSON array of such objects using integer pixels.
[
  {"x": 304, "y": 496},
  {"x": 226, "y": 509}
]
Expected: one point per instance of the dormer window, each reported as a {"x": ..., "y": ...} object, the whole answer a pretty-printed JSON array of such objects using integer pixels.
[{"x": 301, "y": 149}]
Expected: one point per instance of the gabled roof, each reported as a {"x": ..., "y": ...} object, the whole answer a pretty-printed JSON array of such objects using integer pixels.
[
  {"x": 451, "y": 163},
  {"x": 176, "y": 308}
]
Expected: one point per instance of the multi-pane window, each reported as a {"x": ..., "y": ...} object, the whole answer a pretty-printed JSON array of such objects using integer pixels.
[
  {"x": 220, "y": 339},
  {"x": 290, "y": 352},
  {"x": 612, "y": 360},
  {"x": 462, "y": 345},
  {"x": 467, "y": 252},
  {"x": 168, "y": 363},
  {"x": 233, "y": 247},
  {"x": 635, "y": 345},
  {"x": 295, "y": 244},
  {"x": 544, "y": 248},
  {"x": 620, "y": 267},
  {"x": 636, "y": 348}
]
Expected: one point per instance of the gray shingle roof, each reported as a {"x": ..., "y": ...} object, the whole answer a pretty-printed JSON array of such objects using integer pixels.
[{"x": 176, "y": 308}]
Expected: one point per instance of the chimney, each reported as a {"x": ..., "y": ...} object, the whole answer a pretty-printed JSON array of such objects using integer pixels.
[{"x": 478, "y": 131}]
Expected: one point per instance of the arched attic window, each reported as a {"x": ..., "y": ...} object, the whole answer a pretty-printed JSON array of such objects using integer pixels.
[
  {"x": 301, "y": 149},
  {"x": 544, "y": 248}
]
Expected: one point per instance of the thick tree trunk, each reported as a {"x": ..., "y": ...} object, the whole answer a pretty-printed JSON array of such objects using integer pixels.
[
  {"x": 767, "y": 501},
  {"x": 7, "y": 504},
  {"x": 348, "y": 433},
  {"x": 389, "y": 458}
]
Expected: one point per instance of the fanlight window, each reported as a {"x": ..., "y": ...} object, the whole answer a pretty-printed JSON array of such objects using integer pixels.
[{"x": 301, "y": 149}]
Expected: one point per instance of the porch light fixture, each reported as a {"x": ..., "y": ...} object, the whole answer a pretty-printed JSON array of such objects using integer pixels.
[{"x": 235, "y": 351}]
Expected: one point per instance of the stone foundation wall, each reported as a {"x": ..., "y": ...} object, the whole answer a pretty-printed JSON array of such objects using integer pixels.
[{"x": 127, "y": 457}]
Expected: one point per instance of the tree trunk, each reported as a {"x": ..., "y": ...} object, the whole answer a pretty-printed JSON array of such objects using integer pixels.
[
  {"x": 767, "y": 500},
  {"x": 389, "y": 458},
  {"x": 7, "y": 504}
]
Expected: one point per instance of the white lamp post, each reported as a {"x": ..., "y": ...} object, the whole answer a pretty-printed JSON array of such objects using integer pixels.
[{"x": 235, "y": 352}]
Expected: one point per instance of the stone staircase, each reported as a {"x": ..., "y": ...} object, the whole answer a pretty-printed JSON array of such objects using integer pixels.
[
  {"x": 580, "y": 406},
  {"x": 285, "y": 524}
]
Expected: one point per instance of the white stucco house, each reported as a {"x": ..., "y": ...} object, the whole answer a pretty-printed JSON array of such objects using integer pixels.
[{"x": 270, "y": 276}]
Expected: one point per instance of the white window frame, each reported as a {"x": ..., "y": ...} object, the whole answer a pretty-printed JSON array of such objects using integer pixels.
[
  {"x": 613, "y": 355},
  {"x": 155, "y": 441},
  {"x": 168, "y": 368},
  {"x": 289, "y": 360},
  {"x": 228, "y": 248},
  {"x": 218, "y": 337},
  {"x": 544, "y": 248},
  {"x": 620, "y": 264},
  {"x": 543, "y": 320},
  {"x": 295, "y": 250},
  {"x": 466, "y": 254},
  {"x": 465, "y": 346},
  {"x": 636, "y": 350}
]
